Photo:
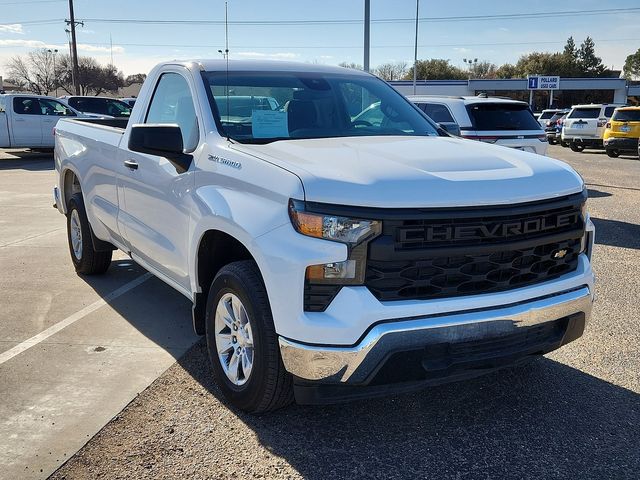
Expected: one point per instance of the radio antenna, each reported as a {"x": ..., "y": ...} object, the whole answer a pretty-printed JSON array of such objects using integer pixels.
[{"x": 226, "y": 56}]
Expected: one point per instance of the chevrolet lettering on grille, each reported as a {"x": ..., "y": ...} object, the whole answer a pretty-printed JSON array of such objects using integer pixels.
[{"x": 440, "y": 233}]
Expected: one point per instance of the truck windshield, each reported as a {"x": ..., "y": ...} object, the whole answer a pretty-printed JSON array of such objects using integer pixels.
[{"x": 262, "y": 107}]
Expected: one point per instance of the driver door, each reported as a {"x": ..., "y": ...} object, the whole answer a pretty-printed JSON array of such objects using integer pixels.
[{"x": 156, "y": 210}]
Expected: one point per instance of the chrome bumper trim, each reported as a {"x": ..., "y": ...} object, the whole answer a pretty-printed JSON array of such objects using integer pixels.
[{"x": 354, "y": 364}]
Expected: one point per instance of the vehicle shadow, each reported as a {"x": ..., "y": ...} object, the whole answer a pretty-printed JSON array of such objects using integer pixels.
[
  {"x": 27, "y": 161},
  {"x": 540, "y": 420},
  {"x": 153, "y": 308},
  {"x": 598, "y": 194},
  {"x": 616, "y": 233}
]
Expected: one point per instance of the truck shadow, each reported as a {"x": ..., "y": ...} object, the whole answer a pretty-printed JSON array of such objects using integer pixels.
[
  {"x": 540, "y": 420},
  {"x": 616, "y": 233},
  {"x": 153, "y": 308},
  {"x": 28, "y": 161}
]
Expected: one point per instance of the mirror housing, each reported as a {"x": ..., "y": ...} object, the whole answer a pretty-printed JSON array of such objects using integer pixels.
[
  {"x": 161, "y": 140},
  {"x": 451, "y": 128}
]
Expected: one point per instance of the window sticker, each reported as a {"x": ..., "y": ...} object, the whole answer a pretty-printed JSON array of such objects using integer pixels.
[{"x": 269, "y": 124}]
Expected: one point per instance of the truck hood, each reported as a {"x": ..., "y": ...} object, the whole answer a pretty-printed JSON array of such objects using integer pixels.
[{"x": 417, "y": 171}]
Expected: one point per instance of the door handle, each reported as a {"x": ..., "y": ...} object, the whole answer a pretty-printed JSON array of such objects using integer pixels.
[{"x": 131, "y": 164}]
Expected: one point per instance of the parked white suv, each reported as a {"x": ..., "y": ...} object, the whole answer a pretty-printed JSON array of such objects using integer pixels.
[
  {"x": 505, "y": 122},
  {"x": 585, "y": 124},
  {"x": 546, "y": 115}
]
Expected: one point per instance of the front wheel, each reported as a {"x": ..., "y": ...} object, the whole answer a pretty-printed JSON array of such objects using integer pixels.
[
  {"x": 85, "y": 258},
  {"x": 613, "y": 153},
  {"x": 242, "y": 342}
]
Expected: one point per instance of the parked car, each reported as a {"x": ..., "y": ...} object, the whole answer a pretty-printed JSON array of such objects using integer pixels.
[
  {"x": 27, "y": 121},
  {"x": 327, "y": 258},
  {"x": 546, "y": 115},
  {"x": 505, "y": 122},
  {"x": 104, "y": 106},
  {"x": 553, "y": 126},
  {"x": 585, "y": 124},
  {"x": 622, "y": 131}
]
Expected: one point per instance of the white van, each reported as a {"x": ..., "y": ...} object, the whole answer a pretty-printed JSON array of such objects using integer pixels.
[
  {"x": 27, "y": 121},
  {"x": 502, "y": 121}
]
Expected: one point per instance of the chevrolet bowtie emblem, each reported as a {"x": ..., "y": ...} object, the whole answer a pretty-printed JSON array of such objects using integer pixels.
[{"x": 560, "y": 253}]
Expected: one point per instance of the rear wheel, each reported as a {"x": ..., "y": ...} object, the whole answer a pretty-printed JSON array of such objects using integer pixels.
[
  {"x": 242, "y": 342},
  {"x": 577, "y": 148},
  {"x": 565, "y": 144},
  {"x": 613, "y": 153},
  {"x": 85, "y": 258}
]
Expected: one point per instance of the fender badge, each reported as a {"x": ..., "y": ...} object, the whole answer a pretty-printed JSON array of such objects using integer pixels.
[
  {"x": 224, "y": 161},
  {"x": 560, "y": 253}
]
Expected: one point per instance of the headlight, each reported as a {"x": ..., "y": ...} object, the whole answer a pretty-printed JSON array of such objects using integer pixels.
[
  {"x": 347, "y": 230},
  {"x": 354, "y": 232}
]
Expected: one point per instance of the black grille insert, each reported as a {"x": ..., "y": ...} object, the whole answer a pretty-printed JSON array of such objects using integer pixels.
[{"x": 456, "y": 252}]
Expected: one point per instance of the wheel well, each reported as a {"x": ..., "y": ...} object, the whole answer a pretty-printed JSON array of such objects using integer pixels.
[
  {"x": 71, "y": 186},
  {"x": 216, "y": 250}
]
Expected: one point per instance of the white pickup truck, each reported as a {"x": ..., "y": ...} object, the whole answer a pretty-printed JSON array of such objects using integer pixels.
[
  {"x": 328, "y": 257},
  {"x": 27, "y": 120}
]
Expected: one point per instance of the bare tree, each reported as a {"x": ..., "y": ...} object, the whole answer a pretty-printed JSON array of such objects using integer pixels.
[
  {"x": 391, "y": 71},
  {"x": 93, "y": 78},
  {"x": 34, "y": 72}
]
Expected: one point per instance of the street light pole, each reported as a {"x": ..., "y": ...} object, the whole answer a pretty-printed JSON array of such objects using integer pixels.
[
  {"x": 367, "y": 37},
  {"x": 415, "y": 50}
]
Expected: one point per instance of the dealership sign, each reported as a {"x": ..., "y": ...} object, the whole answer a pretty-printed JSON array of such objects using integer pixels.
[{"x": 540, "y": 82}]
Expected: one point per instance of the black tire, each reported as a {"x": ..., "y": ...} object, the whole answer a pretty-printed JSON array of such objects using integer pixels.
[
  {"x": 577, "y": 148},
  {"x": 269, "y": 386},
  {"x": 88, "y": 261},
  {"x": 552, "y": 141},
  {"x": 613, "y": 153},
  {"x": 565, "y": 144}
]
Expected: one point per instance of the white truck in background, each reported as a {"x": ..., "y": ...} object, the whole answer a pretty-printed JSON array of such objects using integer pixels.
[
  {"x": 328, "y": 257},
  {"x": 27, "y": 121}
]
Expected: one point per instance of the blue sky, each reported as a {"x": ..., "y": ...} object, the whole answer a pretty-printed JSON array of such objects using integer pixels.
[{"x": 137, "y": 47}]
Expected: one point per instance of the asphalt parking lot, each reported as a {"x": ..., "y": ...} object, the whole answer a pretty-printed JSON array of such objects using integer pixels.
[{"x": 70, "y": 362}]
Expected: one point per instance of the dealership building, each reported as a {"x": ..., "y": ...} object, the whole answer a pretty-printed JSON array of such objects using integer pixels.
[{"x": 570, "y": 91}]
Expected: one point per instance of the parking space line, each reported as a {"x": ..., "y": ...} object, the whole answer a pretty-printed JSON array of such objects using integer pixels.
[{"x": 53, "y": 329}]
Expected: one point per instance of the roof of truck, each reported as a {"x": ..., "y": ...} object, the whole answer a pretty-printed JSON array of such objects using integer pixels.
[{"x": 219, "y": 65}]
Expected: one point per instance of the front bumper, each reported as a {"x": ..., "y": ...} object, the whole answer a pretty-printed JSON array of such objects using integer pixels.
[{"x": 357, "y": 365}]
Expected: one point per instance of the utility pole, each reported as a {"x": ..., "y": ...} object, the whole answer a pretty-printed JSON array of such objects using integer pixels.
[
  {"x": 74, "y": 48},
  {"x": 367, "y": 40},
  {"x": 415, "y": 50}
]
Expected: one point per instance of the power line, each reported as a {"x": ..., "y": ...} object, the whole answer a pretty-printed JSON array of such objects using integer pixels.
[
  {"x": 327, "y": 47},
  {"x": 25, "y": 2},
  {"x": 506, "y": 16}
]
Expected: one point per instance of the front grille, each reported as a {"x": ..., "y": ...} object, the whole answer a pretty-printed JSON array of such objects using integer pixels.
[{"x": 455, "y": 252}]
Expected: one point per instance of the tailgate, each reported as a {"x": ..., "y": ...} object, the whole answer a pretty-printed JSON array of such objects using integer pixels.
[
  {"x": 626, "y": 123},
  {"x": 584, "y": 121}
]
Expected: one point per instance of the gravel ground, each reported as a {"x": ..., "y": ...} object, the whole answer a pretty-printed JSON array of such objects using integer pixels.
[{"x": 572, "y": 414}]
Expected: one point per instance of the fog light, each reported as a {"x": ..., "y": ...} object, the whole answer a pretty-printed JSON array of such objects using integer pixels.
[{"x": 332, "y": 271}]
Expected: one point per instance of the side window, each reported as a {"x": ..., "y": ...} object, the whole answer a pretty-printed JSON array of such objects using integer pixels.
[
  {"x": 52, "y": 107},
  {"x": 608, "y": 111},
  {"x": 2, "y": 101},
  {"x": 438, "y": 112},
  {"x": 26, "y": 106},
  {"x": 172, "y": 103}
]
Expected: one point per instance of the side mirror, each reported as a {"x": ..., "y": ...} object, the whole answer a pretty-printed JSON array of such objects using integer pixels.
[
  {"x": 161, "y": 140},
  {"x": 452, "y": 128}
]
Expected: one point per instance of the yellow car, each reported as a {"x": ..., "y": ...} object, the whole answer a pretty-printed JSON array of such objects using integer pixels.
[{"x": 622, "y": 131}]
